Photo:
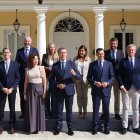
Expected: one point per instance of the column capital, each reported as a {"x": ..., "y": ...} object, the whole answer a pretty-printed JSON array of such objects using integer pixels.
[
  {"x": 99, "y": 10},
  {"x": 41, "y": 9}
]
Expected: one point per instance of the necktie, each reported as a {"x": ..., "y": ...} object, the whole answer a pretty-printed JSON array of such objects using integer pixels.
[
  {"x": 100, "y": 66},
  {"x": 131, "y": 63},
  {"x": 26, "y": 53},
  {"x": 62, "y": 68},
  {"x": 6, "y": 67},
  {"x": 113, "y": 55}
]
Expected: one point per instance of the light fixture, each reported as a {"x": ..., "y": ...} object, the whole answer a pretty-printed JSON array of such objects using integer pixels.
[
  {"x": 69, "y": 22},
  {"x": 123, "y": 23},
  {"x": 40, "y": 1},
  {"x": 16, "y": 23},
  {"x": 100, "y": 1}
]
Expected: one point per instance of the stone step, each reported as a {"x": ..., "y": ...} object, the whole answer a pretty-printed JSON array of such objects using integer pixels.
[{"x": 78, "y": 124}]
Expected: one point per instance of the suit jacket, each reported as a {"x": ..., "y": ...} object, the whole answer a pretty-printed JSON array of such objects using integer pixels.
[
  {"x": 119, "y": 57},
  {"x": 107, "y": 75},
  {"x": 85, "y": 67},
  {"x": 128, "y": 76},
  {"x": 11, "y": 79},
  {"x": 45, "y": 63},
  {"x": 22, "y": 62},
  {"x": 66, "y": 79}
]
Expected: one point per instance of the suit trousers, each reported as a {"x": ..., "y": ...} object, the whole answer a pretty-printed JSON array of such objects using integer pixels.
[
  {"x": 59, "y": 109},
  {"x": 82, "y": 95},
  {"x": 116, "y": 91},
  {"x": 96, "y": 98},
  {"x": 11, "y": 100},
  {"x": 21, "y": 93},
  {"x": 50, "y": 101},
  {"x": 134, "y": 96}
]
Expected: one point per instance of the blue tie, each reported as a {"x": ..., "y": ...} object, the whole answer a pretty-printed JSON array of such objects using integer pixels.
[
  {"x": 26, "y": 53},
  {"x": 113, "y": 55},
  {"x": 62, "y": 68},
  {"x": 100, "y": 66},
  {"x": 131, "y": 63}
]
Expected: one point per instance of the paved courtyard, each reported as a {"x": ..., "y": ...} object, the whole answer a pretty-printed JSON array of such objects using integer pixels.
[{"x": 79, "y": 135}]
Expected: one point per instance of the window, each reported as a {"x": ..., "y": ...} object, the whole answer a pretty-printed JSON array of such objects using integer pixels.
[{"x": 69, "y": 25}]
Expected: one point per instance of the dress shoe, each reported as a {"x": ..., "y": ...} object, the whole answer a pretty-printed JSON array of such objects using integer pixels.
[
  {"x": 56, "y": 132},
  {"x": 117, "y": 117},
  {"x": 102, "y": 117},
  {"x": 137, "y": 131},
  {"x": 21, "y": 116},
  {"x": 94, "y": 131},
  {"x": 1, "y": 130},
  {"x": 12, "y": 131},
  {"x": 124, "y": 131},
  {"x": 70, "y": 132},
  {"x": 35, "y": 132},
  {"x": 107, "y": 131}
]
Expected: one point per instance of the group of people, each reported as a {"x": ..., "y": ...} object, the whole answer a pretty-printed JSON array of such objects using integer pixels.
[{"x": 43, "y": 87}]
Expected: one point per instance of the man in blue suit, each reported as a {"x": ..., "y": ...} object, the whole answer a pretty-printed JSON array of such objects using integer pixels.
[
  {"x": 100, "y": 76},
  {"x": 62, "y": 76},
  {"x": 21, "y": 59},
  {"x": 129, "y": 83},
  {"x": 9, "y": 80}
]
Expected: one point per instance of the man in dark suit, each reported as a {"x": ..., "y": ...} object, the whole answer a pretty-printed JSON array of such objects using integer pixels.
[
  {"x": 129, "y": 83},
  {"x": 62, "y": 76},
  {"x": 100, "y": 76},
  {"x": 21, "y": 59},
  {"x": 9, "y": 80},
  {"x": 114, "y": 56}
]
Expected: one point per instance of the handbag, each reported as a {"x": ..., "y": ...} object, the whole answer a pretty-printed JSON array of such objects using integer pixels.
[{"x": 39, "y": 89}]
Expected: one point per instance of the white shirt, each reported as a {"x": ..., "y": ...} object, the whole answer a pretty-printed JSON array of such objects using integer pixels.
[
  {"x": 133, "y": 60},
  {"x": 28, "y": 50}
]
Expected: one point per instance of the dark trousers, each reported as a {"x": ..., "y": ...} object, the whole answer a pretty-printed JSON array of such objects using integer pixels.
[
  {"x": 96, "y": 98},
  {"x": 11, "y": 100},
  {"x": 21, "y": 93},
  {"x": 59, "y": 110},
  {"x": 50, "y": 102}
]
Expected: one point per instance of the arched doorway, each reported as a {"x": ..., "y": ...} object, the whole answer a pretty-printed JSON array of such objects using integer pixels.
[{"x": 70, "y": 39}]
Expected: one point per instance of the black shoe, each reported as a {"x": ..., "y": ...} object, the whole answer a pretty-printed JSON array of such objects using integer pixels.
[
  {"x": 56, "y": 132},
  {"x": 12, "y": 131},
  {"x": 94, "y": 131},
  {"x": 21, "y": 116},
  {"x": 35, "y": 132},
  {"x": 107, "y": 131},
  {"x": 117, "y": 117},
  {"x": 1, "y": 130},
  {"x": 70, "y": 132},
  {"x": 124, "y": 131},
  {"x": 102, "y": 117},
  {"x": 137, "y": 131}
]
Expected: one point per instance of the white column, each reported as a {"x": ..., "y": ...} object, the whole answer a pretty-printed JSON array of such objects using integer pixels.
[
  {"x": 99, "y": 27},
  {"x": 41, "y": 30}
]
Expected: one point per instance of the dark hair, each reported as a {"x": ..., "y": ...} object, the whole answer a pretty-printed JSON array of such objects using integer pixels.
[
  {"x": 114, "y": 39},
  {"x": 6, "y": 49},
  {"x": 30, "y": 60},
  {"x": 99, "y": 49},
  {"x": 82, "y": 47}
]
